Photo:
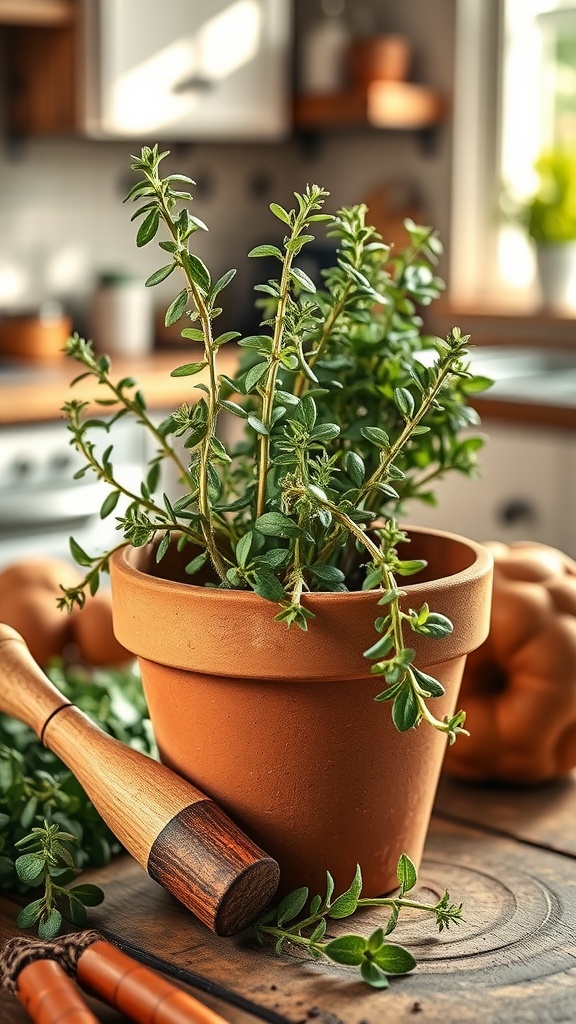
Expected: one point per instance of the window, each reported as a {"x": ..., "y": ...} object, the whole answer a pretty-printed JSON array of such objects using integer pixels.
[{"x": 515, "y": 95}]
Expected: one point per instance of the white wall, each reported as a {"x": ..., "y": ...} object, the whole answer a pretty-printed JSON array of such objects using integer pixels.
[{"x": 61, "y": 214}]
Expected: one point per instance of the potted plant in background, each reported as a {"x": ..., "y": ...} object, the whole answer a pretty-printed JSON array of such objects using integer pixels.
[
  {"x": 549, "y": 218},
  {"x": 349, "y": 412}
]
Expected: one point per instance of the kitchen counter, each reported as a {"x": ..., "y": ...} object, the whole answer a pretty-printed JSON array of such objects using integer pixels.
[
  {"x": 508, "y": 853},
  {"x": 525, "y": 391},
  {"x": 37, "y": 392}
]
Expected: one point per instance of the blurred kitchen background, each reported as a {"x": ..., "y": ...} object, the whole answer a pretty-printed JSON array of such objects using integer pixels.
[{"x": 434, "y": 109}]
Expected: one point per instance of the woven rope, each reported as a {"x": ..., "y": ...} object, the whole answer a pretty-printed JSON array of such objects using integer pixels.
[{"x": 21, "y": 951}]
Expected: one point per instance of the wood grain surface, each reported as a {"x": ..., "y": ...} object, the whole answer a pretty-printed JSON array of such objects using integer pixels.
[{"x": 512, "y": 960}]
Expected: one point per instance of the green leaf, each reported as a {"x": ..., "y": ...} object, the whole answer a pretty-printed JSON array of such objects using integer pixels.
[
  {"x": 267, "y": 585},
  {"x": 404, "y": 402},
  {"x": 261, "y": 343},
  {"x": 355, "y": 468},
  {"x": 163, "y": 547},
  {"x": 276, "y": 524},
  {"x": 196, "y": 564},
  {"x": 373, "y": 974},
  {"x": 281, "y": 213},
  {"x": 222, "y": 339},
  {"x": 394, "y": 959},
  {"x": 29, "y": 867},
  {"x": 436, "y": 626},
  {"x": 381, "y": 648},
  {"x": 73, "y": 910},
  {"x": 476, "y": 384},
  {"x": 233, "y": 408},
  {"x": 160, "y": 275},
  {"x": 109, "y": 504},
  {"x": 188, "y": 369},
  {"x": 257, "y": 425},
  {"x": 148, "y": 228},
  {"x": 243, "y": 548},
  {"x": 192, "y": 333},
  {"x": 410, "y": 566},
  {"x": 49, "y": 924},
  {"x": 325, "y": 432},
  {"x": 78, "y": 553},
  {"x": 197, "y": 270},
  {"x": 428, "y": 683},
  {"x": 376, "y": 939},
  {"x": 255, "y": 373},
  {"x": 347, "y": 949},
  {"x": 406, "y": 873},
  {"x": 405, "y": 712},
  {"x": 347, "y": 903},
  {"x": 222, "y": 282},
  {"x": 89, "y": 895},
  {"x": 176, "y": 308},
  {"x": 303, "y": 280},
  {"x": 29, "y": 914},
  {"x": 376, "y": 436},
  {"x": 266, "y": 250},
  {"x": 291, "y": 906},
  {"x": 328, "y": 574}
]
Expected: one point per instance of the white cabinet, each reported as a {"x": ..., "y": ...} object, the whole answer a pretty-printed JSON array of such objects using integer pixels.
[
  {"x": 526, "y": 490},
  {"x": 186, "y": 69}
]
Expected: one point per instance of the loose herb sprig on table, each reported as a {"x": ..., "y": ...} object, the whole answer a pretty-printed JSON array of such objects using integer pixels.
[
  {"x": 291, "y": 924},
  {"x": 345, "y": 419},
  {"x": 48, "y": 862},
  {"x": 35, "y": 785}
]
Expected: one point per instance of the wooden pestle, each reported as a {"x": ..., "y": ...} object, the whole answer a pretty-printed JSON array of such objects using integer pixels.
[{"x": 179, "y": 835}]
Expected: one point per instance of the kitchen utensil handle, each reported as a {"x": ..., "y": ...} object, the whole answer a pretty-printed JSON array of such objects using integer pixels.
[
  {"x": 179, "y": 835},
  {"x": 136, "y": 991},
  {"x": 49, "y": 996}
]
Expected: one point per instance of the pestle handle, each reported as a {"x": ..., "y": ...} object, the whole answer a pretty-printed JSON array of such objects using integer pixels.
[
  {"x": 50, "y": 996},
  {"x": 179, "y": 835},
  {"x": 136, "y": 991}
]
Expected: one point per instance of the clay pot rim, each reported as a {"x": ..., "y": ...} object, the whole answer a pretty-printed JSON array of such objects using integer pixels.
[
  {"x": 126, "y": 559},
  {"x": 207, "y": 630}
]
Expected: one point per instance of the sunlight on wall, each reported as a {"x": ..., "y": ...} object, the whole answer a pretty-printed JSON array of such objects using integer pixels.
[
  {"x": 167, "y": 86},
  {"x": 66, "y": 269},
  {"x": 531, "y": 80},
  {"x": 13, "y": 284}
]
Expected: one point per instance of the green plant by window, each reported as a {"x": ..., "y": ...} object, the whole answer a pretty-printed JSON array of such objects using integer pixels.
[
  {"x": 349, "y": 410},
  {"x": 549, "y": 216}
]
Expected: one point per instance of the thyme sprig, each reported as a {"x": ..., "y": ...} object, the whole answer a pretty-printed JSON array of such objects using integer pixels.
[
  {"x": 302, "y": 923},
  {"x": 47, "y": 862}
]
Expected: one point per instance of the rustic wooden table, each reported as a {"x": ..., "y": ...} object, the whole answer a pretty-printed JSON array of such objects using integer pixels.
[{"x": 509, "y": 854}]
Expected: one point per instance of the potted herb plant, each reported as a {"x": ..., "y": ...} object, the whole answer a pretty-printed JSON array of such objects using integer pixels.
[
  {"x": 348, "y": 412},
  {"x": 549, "y": 218}
]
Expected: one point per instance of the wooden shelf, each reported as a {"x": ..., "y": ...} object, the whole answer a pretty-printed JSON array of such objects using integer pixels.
[
  {"x": 396, "y": 105},
  {"x": 42, "y": 13}
]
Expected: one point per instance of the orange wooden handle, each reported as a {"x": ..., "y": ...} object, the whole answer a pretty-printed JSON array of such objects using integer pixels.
[
  {"x": 184, "y": 841},
  {"x": 50, "y": 996},
  {"x": 139, "y": 993}
]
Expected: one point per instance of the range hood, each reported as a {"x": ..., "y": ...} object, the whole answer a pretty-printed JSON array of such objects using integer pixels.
[{"x": 186, "y": 69}]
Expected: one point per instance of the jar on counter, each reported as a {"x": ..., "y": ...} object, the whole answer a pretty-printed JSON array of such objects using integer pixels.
[
  {"x": 36, "y": 335},
  {"x": 121, "y": 316},
  {"x": 324, "y": 51}
]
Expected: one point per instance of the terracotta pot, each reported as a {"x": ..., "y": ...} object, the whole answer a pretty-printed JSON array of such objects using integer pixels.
[
  {"x": 280, "y": 726},
  {"x": 384, "y": 58}
]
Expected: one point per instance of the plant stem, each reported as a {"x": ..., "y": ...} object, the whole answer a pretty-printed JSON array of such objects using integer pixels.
[
  {"x": 390, "y": 454},
  {"x": 212, "y": 403}
]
